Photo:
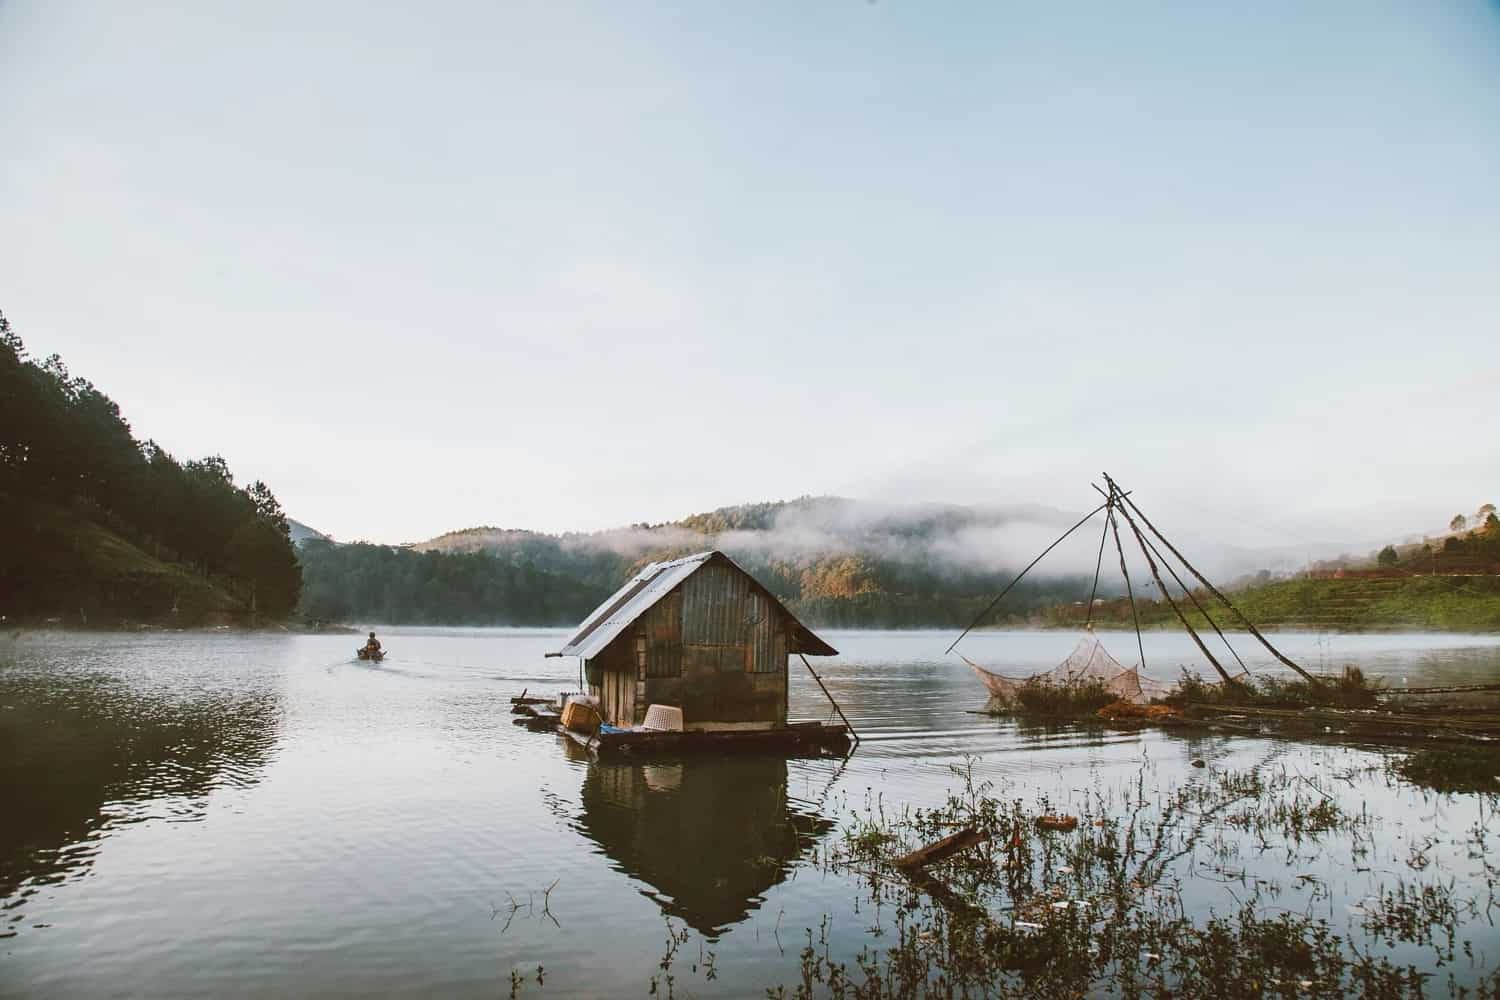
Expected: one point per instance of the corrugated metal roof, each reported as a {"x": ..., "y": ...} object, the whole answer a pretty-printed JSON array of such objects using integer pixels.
[
  {"x": 650, "y": 585},
  {"x": 628, "y": 603}
]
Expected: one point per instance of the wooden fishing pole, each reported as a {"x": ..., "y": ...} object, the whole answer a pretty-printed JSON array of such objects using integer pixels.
[
  {"x": 847, "y": 724},
  {"x": 1201, "y": 609},
  {"x": 1151, "y": 563},
  {"x": 1249, "y": 626},
  {"x": 1129, "y": 591},
  {"x": 993, "y": 604},
  {"x": 1186, "y": 592}
]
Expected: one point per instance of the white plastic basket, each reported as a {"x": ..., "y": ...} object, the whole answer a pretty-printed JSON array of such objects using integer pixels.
[{"x": 663, "y": 719}]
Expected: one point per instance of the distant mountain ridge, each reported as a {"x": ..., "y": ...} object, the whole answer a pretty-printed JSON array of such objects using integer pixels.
[
  {"x": 964, "y": 538},
  {"x": 807, "y": 548},
  {"x": 834, "y": 560},
  {"x": 806, "y": 525}
]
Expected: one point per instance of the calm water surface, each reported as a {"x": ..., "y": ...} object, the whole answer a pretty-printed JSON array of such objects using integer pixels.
[{"x": 229, "y": 814}]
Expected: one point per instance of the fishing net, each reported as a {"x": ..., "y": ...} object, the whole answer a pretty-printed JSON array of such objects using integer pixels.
[{"x": 1089, "y": 662}]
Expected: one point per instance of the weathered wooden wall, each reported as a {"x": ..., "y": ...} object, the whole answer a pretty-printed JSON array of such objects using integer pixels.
[
  {"x": 617, "y": 692},
  {"x": 715, "y": 647}
]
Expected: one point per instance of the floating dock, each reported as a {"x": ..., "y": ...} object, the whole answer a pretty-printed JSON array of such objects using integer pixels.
[{"x": 796, "y": 739}]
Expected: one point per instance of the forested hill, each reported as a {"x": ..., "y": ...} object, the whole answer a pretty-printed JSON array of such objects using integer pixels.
[
  {"x": 833, "y": 561},
  {"x": 99, "y": 528}
]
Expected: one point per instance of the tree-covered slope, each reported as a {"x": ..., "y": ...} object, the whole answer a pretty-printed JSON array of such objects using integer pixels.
[
  {"x": 381, "y": 583},
  {"x": 101, "y": 526},
  {"x": 57, "y": 563}
]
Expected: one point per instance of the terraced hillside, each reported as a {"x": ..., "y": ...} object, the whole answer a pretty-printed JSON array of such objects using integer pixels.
[{"x": 1348, "y": 604}]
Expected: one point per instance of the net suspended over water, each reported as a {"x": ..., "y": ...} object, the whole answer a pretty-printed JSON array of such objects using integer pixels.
[{"x": 1089, "y": 662}]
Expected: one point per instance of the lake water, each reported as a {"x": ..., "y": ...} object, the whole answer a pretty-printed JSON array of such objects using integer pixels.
[{"x": 191, "y": 814}]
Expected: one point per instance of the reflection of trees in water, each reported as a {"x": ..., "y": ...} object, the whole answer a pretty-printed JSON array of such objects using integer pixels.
[
  {"x": 77, "y": 754},
  {"x": 711, "y": 835}
]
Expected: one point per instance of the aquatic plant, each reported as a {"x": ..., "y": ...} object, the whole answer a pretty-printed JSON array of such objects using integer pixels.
[
  {"x": 1100, "y": 910},
  {"x": 1350, "y": 689},
  {"x": 1065, "y": 701},
  {"x": 1122, "y": 903}
]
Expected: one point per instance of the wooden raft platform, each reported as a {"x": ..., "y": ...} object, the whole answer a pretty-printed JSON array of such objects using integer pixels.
[
  {"x": 796, "y": 739},
  {"x": 536, "y": 714}
]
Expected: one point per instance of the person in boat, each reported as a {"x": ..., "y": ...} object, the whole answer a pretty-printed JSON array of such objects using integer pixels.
[{"x": 372, "y": 646}]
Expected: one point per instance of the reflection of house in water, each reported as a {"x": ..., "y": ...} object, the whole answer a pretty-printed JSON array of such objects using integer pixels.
[{"x": 709, "y": 834}]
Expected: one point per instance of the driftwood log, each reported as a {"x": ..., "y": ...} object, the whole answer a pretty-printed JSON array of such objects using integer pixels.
[
  {"x": 914, "y": 867},
  {"x": 941, "y": 850}
]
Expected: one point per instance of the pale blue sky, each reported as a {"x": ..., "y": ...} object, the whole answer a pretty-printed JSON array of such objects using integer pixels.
[{"x": 563, "y": 265}]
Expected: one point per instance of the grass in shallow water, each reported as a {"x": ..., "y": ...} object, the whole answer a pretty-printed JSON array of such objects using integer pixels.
[
  {"x": 1106, "y": 910},
  {"x": 1351, "y": 689}
]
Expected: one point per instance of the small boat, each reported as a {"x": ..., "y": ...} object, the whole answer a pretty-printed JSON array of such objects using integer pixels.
[{"x": 370, "y": 654}]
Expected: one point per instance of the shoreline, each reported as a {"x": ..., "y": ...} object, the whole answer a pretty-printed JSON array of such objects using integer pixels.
[{"x": 13, "y": 628}]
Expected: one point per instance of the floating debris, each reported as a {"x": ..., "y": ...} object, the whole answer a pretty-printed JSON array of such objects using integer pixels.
[{"x": 1057, "y": 821}]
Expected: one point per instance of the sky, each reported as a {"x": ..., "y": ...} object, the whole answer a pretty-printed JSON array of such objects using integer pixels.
[{"x": 566, "y": 266}]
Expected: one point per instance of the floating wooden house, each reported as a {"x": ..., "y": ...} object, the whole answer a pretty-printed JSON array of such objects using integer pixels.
[{"x": 699, "y": 634}]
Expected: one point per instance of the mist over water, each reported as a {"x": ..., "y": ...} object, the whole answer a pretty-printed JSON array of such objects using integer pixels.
[{"x": 945, "y": 540}]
